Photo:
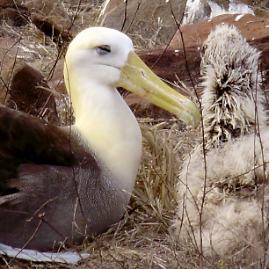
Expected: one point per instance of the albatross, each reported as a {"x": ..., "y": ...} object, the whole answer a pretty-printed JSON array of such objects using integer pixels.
[
  {"x": 59, "y": 185},
  {"x": 223, "y": 187}
]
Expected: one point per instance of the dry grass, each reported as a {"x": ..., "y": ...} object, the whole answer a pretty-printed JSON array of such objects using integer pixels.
[{"x": 143, "y": 238}]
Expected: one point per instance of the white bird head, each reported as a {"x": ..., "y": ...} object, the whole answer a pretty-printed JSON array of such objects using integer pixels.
[{"x": 104, "y": 56}]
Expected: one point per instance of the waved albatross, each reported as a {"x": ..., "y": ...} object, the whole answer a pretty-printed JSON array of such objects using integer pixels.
[
  {"x": 63, "y": 184},
  {"x": 223, "y": 192}
]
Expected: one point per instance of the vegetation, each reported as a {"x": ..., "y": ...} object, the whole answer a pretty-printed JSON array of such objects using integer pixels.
[{"x": 144, "y": 237}]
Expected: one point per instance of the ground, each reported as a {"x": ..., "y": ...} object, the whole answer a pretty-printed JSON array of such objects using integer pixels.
[{"x": 37, "y": 33}]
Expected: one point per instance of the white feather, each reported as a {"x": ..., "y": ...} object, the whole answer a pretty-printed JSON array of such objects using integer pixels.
[
  {"x": 36, "y": 256},
  {"x": 224, "y": 202}
]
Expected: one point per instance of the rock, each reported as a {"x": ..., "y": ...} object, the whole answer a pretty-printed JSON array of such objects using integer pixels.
[
  {"x": 27, "y": 93},
  {"x": 261, "y": 12},
  {"x": 14, "y": 13},
  {"x": 149, "y": 23},
  {"x": 48, "y": 8},
  {"x": 14, "y": 53},
  {"x": 52, "y": 18},
  {"x": 173, "y": 61},
  {"x": 172, "y": 65},
  {"x": 181, "y": 63},
  {"x": 196, "y": 11},
  {"x": 251, "y": 27},
  {"x": 60, "y": 35},
  {"x": 70, "y": 15}
]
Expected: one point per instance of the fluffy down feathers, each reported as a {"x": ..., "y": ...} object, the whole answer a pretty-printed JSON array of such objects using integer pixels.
[
  {"x": 222, "y": 193},
  {"x": 232, "y": 100}
]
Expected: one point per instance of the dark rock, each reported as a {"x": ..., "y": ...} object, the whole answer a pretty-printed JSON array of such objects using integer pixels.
[
  {"x": 172, "y": 65},
  {"x": 49, "y": 27},
  {"x": 14, "y": 13},
  {"x": 27, "y": 94}
]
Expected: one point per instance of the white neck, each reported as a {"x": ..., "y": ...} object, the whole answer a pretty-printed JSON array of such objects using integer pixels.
[{"x": 110, "y": 129}]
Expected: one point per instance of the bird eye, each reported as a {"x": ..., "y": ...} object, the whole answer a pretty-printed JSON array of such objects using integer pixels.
[{"x": 103, "y": 50}]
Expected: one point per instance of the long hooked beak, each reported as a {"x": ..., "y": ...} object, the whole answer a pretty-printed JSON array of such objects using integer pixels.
[{"x": 139, "y": 79}]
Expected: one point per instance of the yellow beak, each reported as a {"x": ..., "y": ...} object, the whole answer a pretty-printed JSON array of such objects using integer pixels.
[{"x": 139, "y": 79}]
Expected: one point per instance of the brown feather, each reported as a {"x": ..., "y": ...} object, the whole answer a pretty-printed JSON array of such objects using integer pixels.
[{"x": 41, "y": 172}]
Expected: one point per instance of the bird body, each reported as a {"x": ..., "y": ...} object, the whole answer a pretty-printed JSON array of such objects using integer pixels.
[
  {"x": 222, "y": 188},
  {"x": 59, "y": 185},
  {"x": 38, "y": 179}
]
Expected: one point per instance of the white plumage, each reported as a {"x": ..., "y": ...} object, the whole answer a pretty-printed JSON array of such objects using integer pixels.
[{"x": 222, "y": 190}]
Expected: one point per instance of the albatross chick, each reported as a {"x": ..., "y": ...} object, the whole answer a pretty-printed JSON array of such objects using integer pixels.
[{"x": 223, "y": 190}]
